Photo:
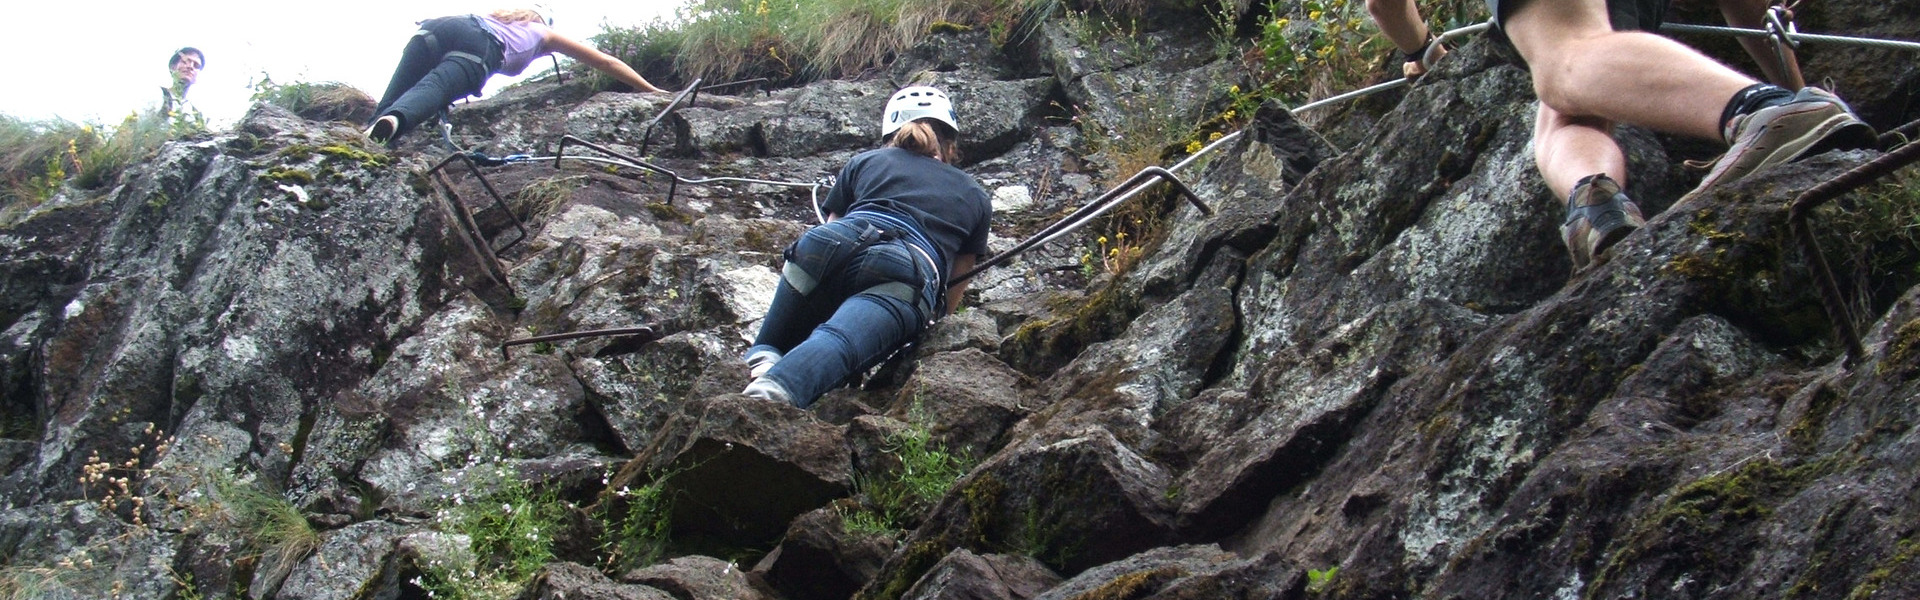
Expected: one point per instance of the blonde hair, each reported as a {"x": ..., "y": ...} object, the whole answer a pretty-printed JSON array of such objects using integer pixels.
[
  {"x": 516, "y": 15},
  {"x": 927, "y": 137}
]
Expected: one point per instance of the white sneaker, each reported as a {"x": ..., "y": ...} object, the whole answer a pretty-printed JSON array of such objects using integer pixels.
[
  {"x": 382, "y": 129},
  {"x": 760, "y": 362},
  {"x": 768, "y": 389}
]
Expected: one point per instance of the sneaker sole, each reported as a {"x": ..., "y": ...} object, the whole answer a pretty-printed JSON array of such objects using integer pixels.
[{"x": 1833, "y": 131}]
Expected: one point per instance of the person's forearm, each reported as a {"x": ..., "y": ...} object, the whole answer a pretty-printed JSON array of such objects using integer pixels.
[
  {"x": 619, "y": 70},
  {"x": 961, "y": 265}
]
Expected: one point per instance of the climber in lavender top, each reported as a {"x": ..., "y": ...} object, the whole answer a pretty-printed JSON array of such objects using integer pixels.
[{"x": 451, "y": 57}]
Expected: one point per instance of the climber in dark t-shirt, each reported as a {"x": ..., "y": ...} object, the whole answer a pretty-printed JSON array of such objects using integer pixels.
[{"x": 901, "y": 222}]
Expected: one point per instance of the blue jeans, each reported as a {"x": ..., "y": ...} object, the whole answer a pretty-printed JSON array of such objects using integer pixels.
[{"x": 849, "y": 321}]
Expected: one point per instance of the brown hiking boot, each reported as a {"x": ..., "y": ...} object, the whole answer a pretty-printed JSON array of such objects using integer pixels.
[
  {"x": 1598, "y": 216},
  {"x": 1814, "y": 121}
]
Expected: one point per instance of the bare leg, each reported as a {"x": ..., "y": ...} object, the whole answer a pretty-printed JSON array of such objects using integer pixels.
[
  {"x": 1581, "y": 67},
  {"x": 1568, "y": 148}
]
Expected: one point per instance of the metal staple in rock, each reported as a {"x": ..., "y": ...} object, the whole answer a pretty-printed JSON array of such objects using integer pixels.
[{"x": 1802, "y": 209}]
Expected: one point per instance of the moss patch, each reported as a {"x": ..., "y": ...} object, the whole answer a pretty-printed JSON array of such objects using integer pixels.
[
  {"x": 667, "y": 212},
  {"x": 1138, "y": 584},
  {"x": 1701, "y": 530},
  {"x": 1043, "y": 346},
  {"x": 281, "y": 174},
  {"x": 366, "y": 159},
  {"x": 915, "y": 561},
  {"x": 1886, "y": 570},
  {"x": 1902, "y": 352}
]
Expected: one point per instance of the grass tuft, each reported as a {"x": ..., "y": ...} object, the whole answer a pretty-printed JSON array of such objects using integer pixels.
[
  {"x": 37, "y": 158},
  {"x": 898, "y": 499}
]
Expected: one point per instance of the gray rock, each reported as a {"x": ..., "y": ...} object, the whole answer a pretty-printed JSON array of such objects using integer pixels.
[
  {"x": 347, "y": 562},
  {"x": 569, "y": 581},
  {"x": 698, "y": 578},
  {"x": 963, "y": 575},
  {"x": 718, "y": 454},
  {"x": 820, "y": 560},
  {"x": 1163, "y": 573}
]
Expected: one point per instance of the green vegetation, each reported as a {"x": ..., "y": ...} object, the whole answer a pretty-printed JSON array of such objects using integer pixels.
[
  {"x": 1318, "y": 48},
  {"x": 1694, "y": 527},
  {"x": 275, "y": 529},
  {"x": 804, "y": 40},
  {"x": 327, "y": 101},
  {"x": 1906, "y": 550},
  {"x": 895, "y": 500},
  {"x": 38, "y": 157},
  {"x": 542, "y": 196},
  {"x": 28, "y": 583},
  {"x": 1872, "y": 240},
  {"x": 1319, "y": 579},
  {"x": 512, "y": 530},
  {"x": 639, "y": 525},
  {"x": 1135, "y": 585}
]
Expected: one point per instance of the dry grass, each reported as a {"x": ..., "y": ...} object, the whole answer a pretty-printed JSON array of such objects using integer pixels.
[{"x": 801, "y": 40}]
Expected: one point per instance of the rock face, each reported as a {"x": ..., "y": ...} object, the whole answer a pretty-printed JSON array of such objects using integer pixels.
[{"x": 282, "y": 363}]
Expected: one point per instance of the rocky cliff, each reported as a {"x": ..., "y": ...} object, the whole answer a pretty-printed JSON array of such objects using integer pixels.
[{"x": 273, "y": 363}]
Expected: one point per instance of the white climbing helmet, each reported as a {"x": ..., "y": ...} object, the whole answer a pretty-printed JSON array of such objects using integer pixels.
[{"x": 916, "y": 102}]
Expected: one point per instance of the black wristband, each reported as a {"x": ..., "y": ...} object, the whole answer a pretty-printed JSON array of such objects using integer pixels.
[{"x": 1421, "y": 53}]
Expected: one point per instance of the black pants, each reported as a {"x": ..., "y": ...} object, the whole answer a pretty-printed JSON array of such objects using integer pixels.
[{"x": 451, "y": 63}]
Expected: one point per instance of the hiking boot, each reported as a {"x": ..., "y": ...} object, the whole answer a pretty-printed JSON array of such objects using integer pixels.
[
  {"x": 761, "y": 361},
  {"x": 382, "y": 129},
  {"x": 1812, "y": 122},
  {"x": 766, "y": 388},
  {"x": 1598, "y": 216}
]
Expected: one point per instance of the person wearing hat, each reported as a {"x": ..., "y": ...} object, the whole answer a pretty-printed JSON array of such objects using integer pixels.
[
  {"x": 901, "y": 221},
  {"x": 451, "y": 58}
]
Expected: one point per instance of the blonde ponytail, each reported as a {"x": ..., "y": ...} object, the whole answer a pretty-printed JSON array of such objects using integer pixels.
[
  {"x": 516, "y": 15},
  {"x": 925, "y": 138}
]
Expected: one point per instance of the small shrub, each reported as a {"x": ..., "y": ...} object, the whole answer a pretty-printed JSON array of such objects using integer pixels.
[
  {"x": 37, "y": 157},
  {"x": 28, "y": 583},
  {"x": 1871, "y": 238},
  {"x": 1319, "y": 579},
  {"x": 328, "y": 101},
  {"x": 512, "y": 530},
  {"x": 639, "y": 525},
  {"x": 651, "y": 49},
  {"x": 278, "y": 533},
  {"x": 892, "y": 501},
  {"x": 798, "y": 40}
]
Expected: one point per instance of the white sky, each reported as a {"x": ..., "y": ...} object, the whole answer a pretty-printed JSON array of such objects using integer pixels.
[{"x": 91, "y": 61}]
